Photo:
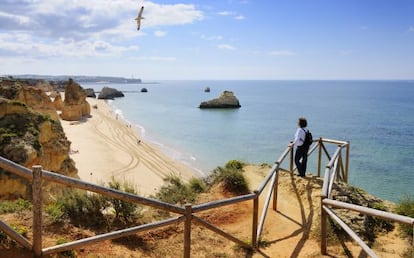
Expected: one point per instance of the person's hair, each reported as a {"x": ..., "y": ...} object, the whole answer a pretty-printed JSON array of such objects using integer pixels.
[{"x": 302, "y": 122}]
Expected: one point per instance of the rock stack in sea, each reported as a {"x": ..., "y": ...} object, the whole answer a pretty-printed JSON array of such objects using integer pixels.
[
  {"x": 225, "y": 100},
  {"x": 110, "y": 93}
]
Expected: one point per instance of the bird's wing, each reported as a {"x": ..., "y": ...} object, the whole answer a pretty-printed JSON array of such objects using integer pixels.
[
  {"x": 139, "y": 17},
  {"x": 140, "y": 12}
]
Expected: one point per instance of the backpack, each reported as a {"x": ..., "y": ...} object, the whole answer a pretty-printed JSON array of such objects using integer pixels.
[{"x": 308, "y": 138}]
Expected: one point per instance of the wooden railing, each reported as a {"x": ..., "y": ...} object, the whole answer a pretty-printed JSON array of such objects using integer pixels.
[{"x": 337, "y": 169}]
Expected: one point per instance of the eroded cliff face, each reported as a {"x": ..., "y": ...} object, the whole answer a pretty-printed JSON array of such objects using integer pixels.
[
  {"x": 75, "y": 106},
  {"x": 30, "y": 134}
]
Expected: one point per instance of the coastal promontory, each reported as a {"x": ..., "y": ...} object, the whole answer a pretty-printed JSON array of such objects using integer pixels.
[{"x": 225, "y": 100}]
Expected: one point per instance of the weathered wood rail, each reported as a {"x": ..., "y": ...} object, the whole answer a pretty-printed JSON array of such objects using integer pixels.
[{"x": 336, "y": 169}]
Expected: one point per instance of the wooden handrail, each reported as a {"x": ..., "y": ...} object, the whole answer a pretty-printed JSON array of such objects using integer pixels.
[
  {"x": 369, "y": 211},
  {"x": 77, "y": 183},
  {"x": 187, "y": 214},
  {"x": 350, "y": 232},
  {"x": 111, "y": 235},
  {"x": 220, "y": 203}
]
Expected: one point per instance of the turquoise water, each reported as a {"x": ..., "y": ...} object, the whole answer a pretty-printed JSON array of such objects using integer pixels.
[{"x": 377, "y": 117}]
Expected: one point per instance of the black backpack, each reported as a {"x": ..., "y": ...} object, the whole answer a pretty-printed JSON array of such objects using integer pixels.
[{"x": 308, "y": 138}]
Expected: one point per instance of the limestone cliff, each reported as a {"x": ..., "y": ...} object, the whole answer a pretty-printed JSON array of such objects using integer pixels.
[
  {"x": 75, "y": 107},
  {"x": 30, "y": 136},
  {"x": 58, "y": 103},
  {"x": 32, "y": 96}
]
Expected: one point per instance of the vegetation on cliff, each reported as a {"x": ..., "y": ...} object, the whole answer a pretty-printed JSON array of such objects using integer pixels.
[{"x": 80, "y": 214}]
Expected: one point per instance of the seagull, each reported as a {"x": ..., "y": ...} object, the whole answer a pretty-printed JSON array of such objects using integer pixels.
[{"x": 139, "y": 17}]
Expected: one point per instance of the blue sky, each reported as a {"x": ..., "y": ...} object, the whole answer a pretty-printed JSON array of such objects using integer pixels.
[{"x": 200, "y": 39}]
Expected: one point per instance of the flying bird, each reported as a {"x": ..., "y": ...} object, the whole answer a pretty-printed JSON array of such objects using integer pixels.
[{"x": 139, "y": 17}]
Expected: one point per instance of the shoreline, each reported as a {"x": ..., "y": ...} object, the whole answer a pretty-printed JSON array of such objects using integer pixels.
[{"x": 105, "y": 146}]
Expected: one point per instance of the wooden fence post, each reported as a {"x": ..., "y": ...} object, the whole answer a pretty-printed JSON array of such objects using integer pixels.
[
  {"x": 255, "y": 218},
  {"x": 187, "y": 230},
  {"x": 275, "y": 190},
  {"x": 319, "y": 156},
  {"x": 292, "y": 150},
  {"x": 323, "y": 227},
  {"x": 37, "y": 210},
  {"x": 347, "y": 161}
]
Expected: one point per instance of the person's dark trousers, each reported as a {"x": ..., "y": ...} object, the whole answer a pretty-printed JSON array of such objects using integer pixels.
[{"x": 301, "y": 159}]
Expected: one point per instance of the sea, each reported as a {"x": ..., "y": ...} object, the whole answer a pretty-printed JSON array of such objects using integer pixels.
[{"x": 376, "y": 117}]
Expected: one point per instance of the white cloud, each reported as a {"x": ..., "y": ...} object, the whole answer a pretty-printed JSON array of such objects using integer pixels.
[
  {"x": 168, "y": 15},
  {"x": 282, "y": 53},
  {"x": 80, "y": 19},
  {"x": 158, "y": 58},
  {"x": 72, "y": 28},
  {"x": 226, "y": 13},
  {"x": 159, "y": 33},
  {"x": 23, "y": 45},
  {"x": 211, "y": 38},
  {"x": 235, "y": 15},
  {"x": 11, "y": 18},
  {"x": 226, "y": 47}
]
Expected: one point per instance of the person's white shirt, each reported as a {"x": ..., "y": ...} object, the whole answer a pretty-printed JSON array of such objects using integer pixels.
[{"x": 299, "y": 136}]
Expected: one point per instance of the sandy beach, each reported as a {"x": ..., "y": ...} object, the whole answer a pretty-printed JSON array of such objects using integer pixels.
[{"x": 104, "y": 147}]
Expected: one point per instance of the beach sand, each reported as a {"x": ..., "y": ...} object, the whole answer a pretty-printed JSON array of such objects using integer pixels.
[{"x": 104, "y": 147}]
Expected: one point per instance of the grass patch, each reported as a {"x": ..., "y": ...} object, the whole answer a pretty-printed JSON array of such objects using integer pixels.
[
  {"x": 406, "y": 207},
  {"x": 14, "y": 206}
]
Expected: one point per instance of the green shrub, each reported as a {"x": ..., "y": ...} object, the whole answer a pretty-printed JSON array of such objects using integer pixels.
[
  {"x": 55, "y": 211},
  {"x": 233, "y": 180},
  {"x": 406, "y": 207},
  {"x": 82, "y": 208},
  {"x": 175, "y": 191},
  {"x": 234, "y": 164},
  {"x": 373, "y": 224},
  {"x": 197, "y": 185},
  {"x": 123, "y": 209},
  {"x": 6, "y": 138}
]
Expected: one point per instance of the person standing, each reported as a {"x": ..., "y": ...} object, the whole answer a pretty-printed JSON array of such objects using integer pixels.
[{"x": 301, "y": 154}]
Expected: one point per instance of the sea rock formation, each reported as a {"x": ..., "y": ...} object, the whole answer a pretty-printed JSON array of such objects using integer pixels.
[
  {"x": 90, "y": 93},
  {"x": 110, "y": 93},
  {"x": 30, "y": 137},
  {"x": 144, "y": 90},
  {"x": 207, "y": 89},
  {"x": 75, "y": 106},
  {"x": 225, "y": 100}
]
